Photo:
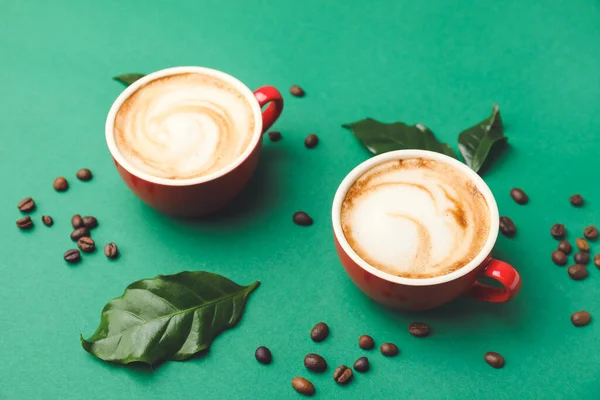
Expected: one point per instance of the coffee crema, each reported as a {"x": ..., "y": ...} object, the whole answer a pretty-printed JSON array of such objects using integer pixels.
[
  {"x": 415, "y": 218},
  {"x": 184, "y": 126}
]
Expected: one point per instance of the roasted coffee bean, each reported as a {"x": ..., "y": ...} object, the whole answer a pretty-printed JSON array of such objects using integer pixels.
[
  {"x": 507, "y": 227},
  {"x": 591, "y": 232},
  {"x": 558, "y": 231},
  {"x": 303, "y": 386},
  {"x": 90, "y": 222},
  {"x": 366, "y": 342},
  {"x": 72, "y": 256},
  {"x": 275, "y": 136},
  {"x": 582, "y": 245},
  {"x": 26, "y": 205},
  {"x": 79, "y": 233},
  {"x": 581, "y": 257},
  {"x": 342, "y": 374},
  {"x": 111, "y": 250},
  {"x": 519, "y": 196},
  {"x": 581, "y": 318},
  {"x": 76, "y": 221},
  {"x": 315, "y": 362},
  {"x": 311, "y": 141},
  {"x": 494, "y": 359},
  {"x": 362, "y": 364},
  {"x": 565, "y": 247},
  {"x": 84, "y": 174},
  {"x": 263, "y": 355},
  {"x": 301, "y": 218},
  {"x": 25, "y": 223},
  {"x": 319, "y": 332},
  {"x": 60, "y": 184},
  {"x": 389, "y": 349},
  {"x": 559, "y": 258},
  {"x": 297, "y": 91},
  {"x": 47, "y": 220},
  {"x": 576, "y": 200},
  {"x": 597, "y": 260},
  {"x": 86, "y": 244},
  {"x": 578, "y": 272},
  {"x": 419, "y": 329}
]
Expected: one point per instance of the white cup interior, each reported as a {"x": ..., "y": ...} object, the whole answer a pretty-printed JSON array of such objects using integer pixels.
[
  {"x": 110, "y": 120},
  {"x": 340, "y": 195}
]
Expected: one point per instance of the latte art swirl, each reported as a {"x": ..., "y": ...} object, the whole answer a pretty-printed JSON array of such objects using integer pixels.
[
  {"x": 184, "y": 126},
  {"x": 415, "y": 218}
]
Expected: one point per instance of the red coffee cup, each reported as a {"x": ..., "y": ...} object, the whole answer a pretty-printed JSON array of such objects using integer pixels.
[
  {"x": 427, "y": 293},
  {"x": 202, "y": 195}
]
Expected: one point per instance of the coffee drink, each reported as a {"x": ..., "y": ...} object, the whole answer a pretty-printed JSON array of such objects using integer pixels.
[
  {"x": 415, "y": 218},
  {"x": 184, "y": 126}
]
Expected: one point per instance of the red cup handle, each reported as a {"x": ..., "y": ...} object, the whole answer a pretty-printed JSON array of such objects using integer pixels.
[
  {"x": 503, "y": 273},
  {"x": 268, "y": 94}
]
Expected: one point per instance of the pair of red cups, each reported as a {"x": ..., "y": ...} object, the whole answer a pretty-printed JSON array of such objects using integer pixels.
[{"x": 203, "y": 195}]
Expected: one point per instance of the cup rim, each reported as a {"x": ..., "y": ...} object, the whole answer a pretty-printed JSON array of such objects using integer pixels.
[
  {"x": 248, "y": 95},
  {"x": 349, "y": 180}
]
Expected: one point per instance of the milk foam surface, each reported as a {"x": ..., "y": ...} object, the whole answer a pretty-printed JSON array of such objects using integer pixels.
[
  {"x": 184, "y": 126},
  {"x": 415, "y": 218}
]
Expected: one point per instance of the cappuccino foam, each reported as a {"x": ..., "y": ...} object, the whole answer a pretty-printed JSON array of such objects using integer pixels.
[
  {"x": 184, "y": 126},
  {"x": 415, "y": 218}
]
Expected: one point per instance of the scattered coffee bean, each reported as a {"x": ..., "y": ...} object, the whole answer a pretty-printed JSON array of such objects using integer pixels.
[
  {"x": 25, "y": 223},
  {"x": 558, "y": 231},
  {"x": 342, "y": 374},
  {"x": 581, "y": 257},
  {"x": 494, "y": 359},
  {"x": 303, "y": 386},
  {"x": 389, "y": 349},
  {"x": 263, "y": 355},
  {"x": 519, "y": 196},
  {"x": 60, "y": 184},
  {"x": 319, "y": 332},
  {"x": 315, "y": 362},
  {"x": 578, "y": 272},
  {"x": 79, "y": 233},
  {"x": 297, "y": 91},
  {"x": 591, "y": 232},
  {"x": 311, "y": 141},
  {"x": 26, "y": 205},
  {"x": 507, "y": 227},
  {"x": 111, "y": 250},
  {"x": 303, "y": 219},
  {"x": 362, "y": 364},
  {"x": 559, "y": 258},
  {"x": 419, "y": 329},
  {"x": 72, "y": 256},
  {"x": 582, "y": 245},
  {"x": 581, "y": 318},
  {"x": 47, "y": 220},
  {"x": 275, "y": 136},
  {"x": 597, "y": 260},
  {"x": 565, "y": 247},
  {"x": 84, "y": 174},
  {"x": 366, "y": 342},
  {"x": 576, "y": 200},
  {"x": 76, "y": 221},
  {"x": 90, "y": 222},
  {"x": 86, "y": 244}
]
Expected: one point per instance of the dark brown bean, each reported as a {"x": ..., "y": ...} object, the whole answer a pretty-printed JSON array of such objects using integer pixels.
[
  {"x": 60, "y": 184},
  {"x": 558, "y": 231},
  {"x": 494, "y": 359},
  {"x": 72, "y": 256},
  {"x": 582, "y": 245},
  {"x": 519, "y": 196},
  {"x": 25, "y": 223},
  {"x": 79, "y": 233},
  {"x": 86, "y": 244},
  {"x": 315, "y": 362},
  {"x": 581, "y": 318},
  {"x": 576, "y": 200},
  {"x": 76, "y": 221},
  {"x": 311, "y": 141},
  {"x": 581, "y": 257},
  {"x": 47, "y": 220},
  {"x": 26, "y": 205},
  {"x": 366, "y": 342},
  {"x": 591, "y": 232},
  {"x": 597, "y": 260},
  {"x": 275, "y": 136},
  {"x": 565, "y": 247},
  {"x": 507, "y": 227},
  {"x": 111, "y": 250},
  {"x": 263, "y": 355},
  {"x": 342, "y": 374},
  {"x": 419, "y": 329},
  {"x": 578, "y": 272},
  {"x": 319, "y": 332},
  {"x": 301, "y": 218},
  {"x": 84, "y": 174},
  {"x": 303, "y": 386},
  {"x": 389, "y": 349},
  {"x": 90, "y": 222},
  {"x": 362, "y": 364},
  {"x": 297, "y": 91},
  {"x": 559, "y": 258}
]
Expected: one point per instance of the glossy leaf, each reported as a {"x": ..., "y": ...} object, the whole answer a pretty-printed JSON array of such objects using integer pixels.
[
  {"x": 170, "y": 317},
  {"x": 128, "y": 79},
  {"x": 379, "y": 137},
  {"x": 481, "y": 142}
]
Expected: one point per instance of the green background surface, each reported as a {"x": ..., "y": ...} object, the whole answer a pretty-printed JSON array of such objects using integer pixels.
[{"x": 440, "y": 62}]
